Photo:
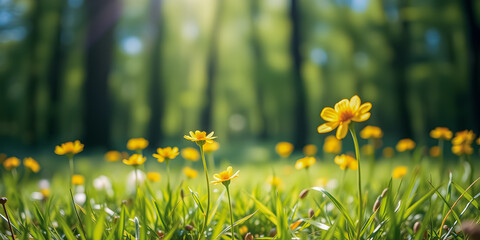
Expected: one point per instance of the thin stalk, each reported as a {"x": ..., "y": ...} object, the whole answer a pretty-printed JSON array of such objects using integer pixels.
[
  {"x": 8, "y": 220},
  {"x": 168, "y": 178},
  {"x": 208, "y": 191},
  {"x": 231, "y": 212},
  {"x": 359, "y": 181},
  {"x": 442, "y": 163}
]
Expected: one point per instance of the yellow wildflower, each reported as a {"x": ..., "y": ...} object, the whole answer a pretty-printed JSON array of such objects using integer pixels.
[
  {"x": 310, "y": 150},
  {"x": 190, "y": 172},
  {"x": 274, "y": 181},
  {"x": 200, "y": 137},
  {"x": 345, "y": 111},
  {"x": 321, "y": 182},
  {"x": 346, "y": 161},
  {"x": 243, "y": 230},
  {"x": 167, "y": 153},
  {"x": 371, "y": 132},
  {"x": 368, "y": 149},
  {"x": 136, "y": 144},
  {"x": 405, "y": 144},
  {"x": 113, "y": 156},
  {"x": 305, "y": 162},
  {"x": 399, "y": 172},
  {"x": 69, "y": 148},
  {"x": 78, "y": 180},
  {"x": 154, "y": 176},
  {"x": 31, "y": 164},
  {"x": 465, "y": 136},
  {"x": 225, "y": 176},
  {"x": 332, "y": 145},
  {"x": 462, "y": 149},
  {"x": 435, "y": 151},
  {"x": 45, "y": 192},
  {"x": 135, "y": 160},
  {"x": 211, "y": 147},
  {"x": 284, "y": 149},
  {"x": 191, "y": 154},
  {"x": 441, "y": 133},
  {"x": 11, "y": 163},
  {"x": 388, "y": 152}
]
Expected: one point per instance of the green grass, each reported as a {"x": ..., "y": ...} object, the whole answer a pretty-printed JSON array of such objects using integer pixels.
[{"x": 150, "y": 211}]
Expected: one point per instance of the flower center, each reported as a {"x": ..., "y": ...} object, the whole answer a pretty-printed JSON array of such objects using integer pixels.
[{"x": 346, "y": 115}]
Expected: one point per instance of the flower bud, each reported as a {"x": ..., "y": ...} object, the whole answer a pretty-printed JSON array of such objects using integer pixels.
[
  {"x": 376, "y": 206},
  {"x": 248, "y": 236},
  {"x": 303, "y": 194},
  {"x": 273, "y": 232},
  {"x": 416, "y": 227},
  {"x": 189, "y": 227},
  {"x": 3, "y": 200},
  {"x": 182, "y": 194},
  {"x": 160, "y": 234},
  {"x": 471, "y": 229},
  {"x": 384, "y": 192},
  {"x": 311, "y": 213}
]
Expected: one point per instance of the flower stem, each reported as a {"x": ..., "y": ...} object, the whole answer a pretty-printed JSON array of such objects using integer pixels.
[
  {"x": 8, "y": 220},
  {"x": 231, "y": 212},
  {"x": 208, "y": 191},
  {"x": 72, "y": 171},
  {"x": 359, "y": 181},
  {"x": 442, "y": 163}
]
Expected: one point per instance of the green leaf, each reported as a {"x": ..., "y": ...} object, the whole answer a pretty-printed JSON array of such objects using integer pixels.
[
  {"x": 338, "y": 205},
  {"x": 240, "y": 221},
  {"x": 264, "y": 209},
  {"x": 195, "y": 197}
]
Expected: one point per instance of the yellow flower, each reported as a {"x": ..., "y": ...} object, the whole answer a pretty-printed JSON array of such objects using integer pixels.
[
  {"x": 243, "y": 230},
  {"x": 69, "y": 148},
  {"x": 284, "y": 149},
  {"x": 368, "y": 149},
  {"x": 346, "y": 161},
  {"x": 136, "y": 144},
  {"x": 371, "y": 132},
  {"x": 135, "y": 160},
  {"x": 225, "y": 176},
  {"x": 190, "y": 172},
  {"x": 435, "y": 151},
  {"x": 321, "y": 182},
  {"x": 31, "y": 164},
  {"x": 274, "y": 181},
  {"x": 45, "y": 192},
  {"x": 78, "y": 180},
  {"x": 441, "y": 133},
  {"x": 191, "y": 154},
  {"x": 211, "y": 147},
  {"x": 399, "y": 172},
  {"x": 462, "y": 149},
  {"x": 388, "y": 152},
  {"x": 11, "y": 163},
  {"x": 113, "y": 156},
  {"x": 200, "y": 137},
  {"x": 310, "y": 150},
  {"x": 405, "y": 144},
  {"x": 305, "y": 162},
  {"x": 345, "y": 111},
  {"x": 295, "y": 224},
  {"x": 154, "y": 176},
  {"x": 332, "y": 145},
  {"x": 167, "y": 153},
  {"x": 465, "y": 136}
]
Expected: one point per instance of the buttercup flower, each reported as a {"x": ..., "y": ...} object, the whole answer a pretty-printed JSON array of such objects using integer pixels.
[
  {"x": 305, "y": 162},
  {"x": 31, "y": 164},
  {"x": 399, "y": 172},
  {"x": 200, "y": 137},
  {"x": 462, "y": 149},
  {"x": 405, "y": 144},
  {"x": 167, "y": 153},
  {"x": 388, "y": 152},
  {"x": 284, "y": 149},
  {"x": 78, "y": 180},
  {"x": 225, "y": 176},
  {"x": 310, "y": 150},
  {"x": 346, "y": 161},
  {"x": 69, "y": 148},
  {"x": 11, "y": 163},
  {"x": 463, "y": 137},
  {"x": 345, "y": 111},
  {"x": 371, "y": 132},
  {"x": 135, "y": 160},
  {"x": 113, "y": 156},
  {"x": 274, "y": 181},
  {"x": 211, "y": 147},
  {"x": 190, "y": 154},
  {"x": 190, "y": 172},
  {"x": 435, "y": 151},
  {"x": 441, "y": 133},
  {"x": 332, "y": 145},
  {"x": 137, "y": 144},
  {"x": 154, "y": 176}
]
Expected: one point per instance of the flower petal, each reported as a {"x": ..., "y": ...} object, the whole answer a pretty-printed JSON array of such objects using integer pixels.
[
  {"x": 327, "y": 127},
  {"x": 328, "y": 114},
  {"x": 355, "y": 103},
  {"x": 365, "y": 108},
  {"x": 340, "y": 106},
  {"x": 362, "y": 117},
  {"x": 342, "y": 130}
]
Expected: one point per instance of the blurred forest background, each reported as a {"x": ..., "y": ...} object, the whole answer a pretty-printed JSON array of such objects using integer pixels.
[{"x": 104, "y": 71}]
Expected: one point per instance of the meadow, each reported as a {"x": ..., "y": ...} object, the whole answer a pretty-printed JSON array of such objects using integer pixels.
[{"x": 317, "y": 192}]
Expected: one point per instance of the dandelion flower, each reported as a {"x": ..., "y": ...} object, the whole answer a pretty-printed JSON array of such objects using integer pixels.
[
  {"x": 135, "y": 160},
  {"x": 435, "y": 151},
  {"x": 388, "y": 152},
  {"x": 310, "y": 150},
  {"x": 441, "y": 133},
  {"x": 137, "y": 144},
  {"x": 332, "y": 145},
  {"x": 399, "y": 172},
  {"x": 305, "y": 162},
  {"x": 31, "y": 164},
  {"x": 113, "y": 156},
  {"x": 211, "y": 147},
  {"x": 11, "y": 163},
  {"x": 344, "y": 112},
  {"x": 154, "y": 176},
  {"x": 284, "y": 149},
  {"x": 190, "y": 154},
  {"x": 190, "y": 172},
  {"x": 274, "y": 181},
  {"x": 369, "y": 132},
  {"x": 78, "y": 180},
  {"x": 405, "y": 144},
  {"x": 69, "y": 148},
  {"x": 200, "y": 137},
  {"x": 167, "y": 153},
  {"x": 346, "y": 161},
  {"x": 225, "y": 176}
]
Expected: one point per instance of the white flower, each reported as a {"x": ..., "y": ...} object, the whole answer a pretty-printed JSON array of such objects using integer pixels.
[
  {"x": 44, "y": 184},
  {"x": 80, "y": 198},
  {"x": 103, "y": 183}
]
